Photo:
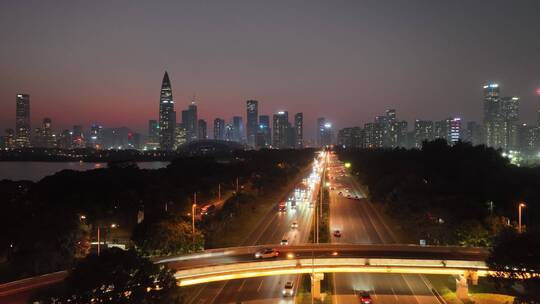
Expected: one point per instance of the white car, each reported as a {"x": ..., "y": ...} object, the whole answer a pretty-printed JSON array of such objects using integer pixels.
[
  {"x": 284, "y": 242},
  {"x": 294, "y": 225},
  {"x": 266, "y": 253},
  {"x": 288, "y": 289}
]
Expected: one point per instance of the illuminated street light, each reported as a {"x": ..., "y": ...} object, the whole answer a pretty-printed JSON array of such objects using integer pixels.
[
  {"x": 521, "y": 205},
  {"x": 347, "y": 165}
]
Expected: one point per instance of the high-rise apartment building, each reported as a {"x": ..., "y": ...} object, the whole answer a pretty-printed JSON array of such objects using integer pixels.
[
  {"x": 167, "y": 115},
  {"x": 324, "y": 132},
  {"x": 201, "y": 129},
  {"x": 423, "y": 131},
  {"x": 299, "y": 130},
  {"x": 219, "y": 129},
  {"x": 373, "y": 135},
  {"x": 252, "y": 124},
  {"x": 501, "y": 118},
  {"x": 22, "y": 121},
  {"x": 351, "y": 137},
  {"x": 474, "y": 133}
]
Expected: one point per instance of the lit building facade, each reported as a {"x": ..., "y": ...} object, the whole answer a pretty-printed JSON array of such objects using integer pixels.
[
  {"x": 22, "y": 121},
  {"x": 167, "y": 115},
  {"x": 299, "y": 130},
  {"x": 252, "y": 124},
  {"x": 219, "y": 129}
]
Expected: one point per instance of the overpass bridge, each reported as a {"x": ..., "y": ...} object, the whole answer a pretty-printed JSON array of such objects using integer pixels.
[{"x": 316, "y": 259}]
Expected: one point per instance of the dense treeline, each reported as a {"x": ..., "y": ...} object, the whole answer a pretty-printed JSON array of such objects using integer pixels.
[
  {"x": 43, "y": 229},
  {"x": 459, "y": 194}
]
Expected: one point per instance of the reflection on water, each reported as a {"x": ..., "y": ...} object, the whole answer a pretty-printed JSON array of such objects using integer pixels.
[{"x": 35, "y": 171}]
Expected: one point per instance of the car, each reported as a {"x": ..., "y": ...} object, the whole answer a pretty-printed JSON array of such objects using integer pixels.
[
  {"x": 294, "y": 225},
  {"x": 365, "y": 298},
  {"x": 288, "y": 289},
  {"x": 282, "y": 207},
  {"x": 284, "y": 241},
  {"x": 337, "y": 233},
  {"x": 266, "y": 253}
]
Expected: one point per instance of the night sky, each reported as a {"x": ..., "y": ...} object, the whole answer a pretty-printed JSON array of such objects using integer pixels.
[{"x": 103, "y": 61}]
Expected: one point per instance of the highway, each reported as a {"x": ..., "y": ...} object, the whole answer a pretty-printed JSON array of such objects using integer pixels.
[
  {"x": 271, "y": 230},
  {"x": 360, "y": 223}
]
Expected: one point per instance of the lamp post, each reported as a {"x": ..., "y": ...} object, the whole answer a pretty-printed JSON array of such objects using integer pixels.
[
  {"x": 521, "y": 205},
  {"x": 98, "y": 236},
  {"x": 193, "y": 210}
]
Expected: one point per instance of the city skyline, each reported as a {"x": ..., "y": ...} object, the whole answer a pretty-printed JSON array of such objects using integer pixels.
[{"x": 404, "y": 64}]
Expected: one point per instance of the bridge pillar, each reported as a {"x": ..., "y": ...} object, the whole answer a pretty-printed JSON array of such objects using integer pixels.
[
  {"x": 316, "y": 284},
  {"x": 462, "y": 287},
  {"x": 472, "y": 276}
]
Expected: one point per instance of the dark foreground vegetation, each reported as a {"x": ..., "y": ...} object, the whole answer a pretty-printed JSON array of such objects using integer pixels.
[
  {"x": 48, "y": 225},
  {"x": 460, "y": 195}
]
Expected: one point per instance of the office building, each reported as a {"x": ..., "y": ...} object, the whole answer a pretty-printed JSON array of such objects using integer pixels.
[
  {"x": 219, "y": 129},
  {"x": 77, "y": 137},
  {"x": 299, "y": 130},
  {"x": 252, "y": 114},
  {"x": 264, "y": 133},
  {"x": 96, "y": 137},
  {"x": 201, "y": 129},
  {"x": 280, "y": 130},
  {"x": 65, "y": 140},
  {"x": 9, "y": 139},
  {"x": 44, "y": 137},
  {"x": 167, "y": 115},
  {"x": 238, "y": 129},
  {"x": 22, "y": 121}
]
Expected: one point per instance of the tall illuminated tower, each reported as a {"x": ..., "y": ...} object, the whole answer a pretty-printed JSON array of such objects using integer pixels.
[
  {"x": 167, "y": 116},
  {"x": 22, "y": 121},
  {"x": 252, "y": 115},
  {"x": 538, "y": 94}
]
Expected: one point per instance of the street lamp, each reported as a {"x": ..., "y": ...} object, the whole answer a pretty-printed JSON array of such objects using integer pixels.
[
  {"x": 521, "y": 205},
  {"x": 112, "y": 226},
  {"x": 193, "y": 209}
]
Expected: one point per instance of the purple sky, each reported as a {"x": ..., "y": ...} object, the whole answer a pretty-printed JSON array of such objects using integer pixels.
[{"x": 103, "y": 61}]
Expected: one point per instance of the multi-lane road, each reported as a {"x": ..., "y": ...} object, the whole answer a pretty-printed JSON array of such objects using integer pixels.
[
  {"x": 275, "y": 227},
  {"x": 361, "y": 223}
]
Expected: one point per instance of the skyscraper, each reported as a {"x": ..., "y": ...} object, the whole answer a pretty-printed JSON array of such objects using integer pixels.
[
  {"x": 201, "y": 129},
  {"x": 252, "y": 113},
  {"x": 180, "y": 136},
  {"x": 501, "y": 118},
  {"x": 264, "y": 133},
  {"x": 219, "y": 129},
  {"x": 167, "y": 116},
  {"x": 538, "y": 94},
  {"x": 320, "y": 129},
  {"x": 299, "y": 130},
  {"x": 44, "y": 137},
  {"x": 280, "y": 129},
  {"x": 22, "y": 121},
  {"x": 238, "y": 129}
]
